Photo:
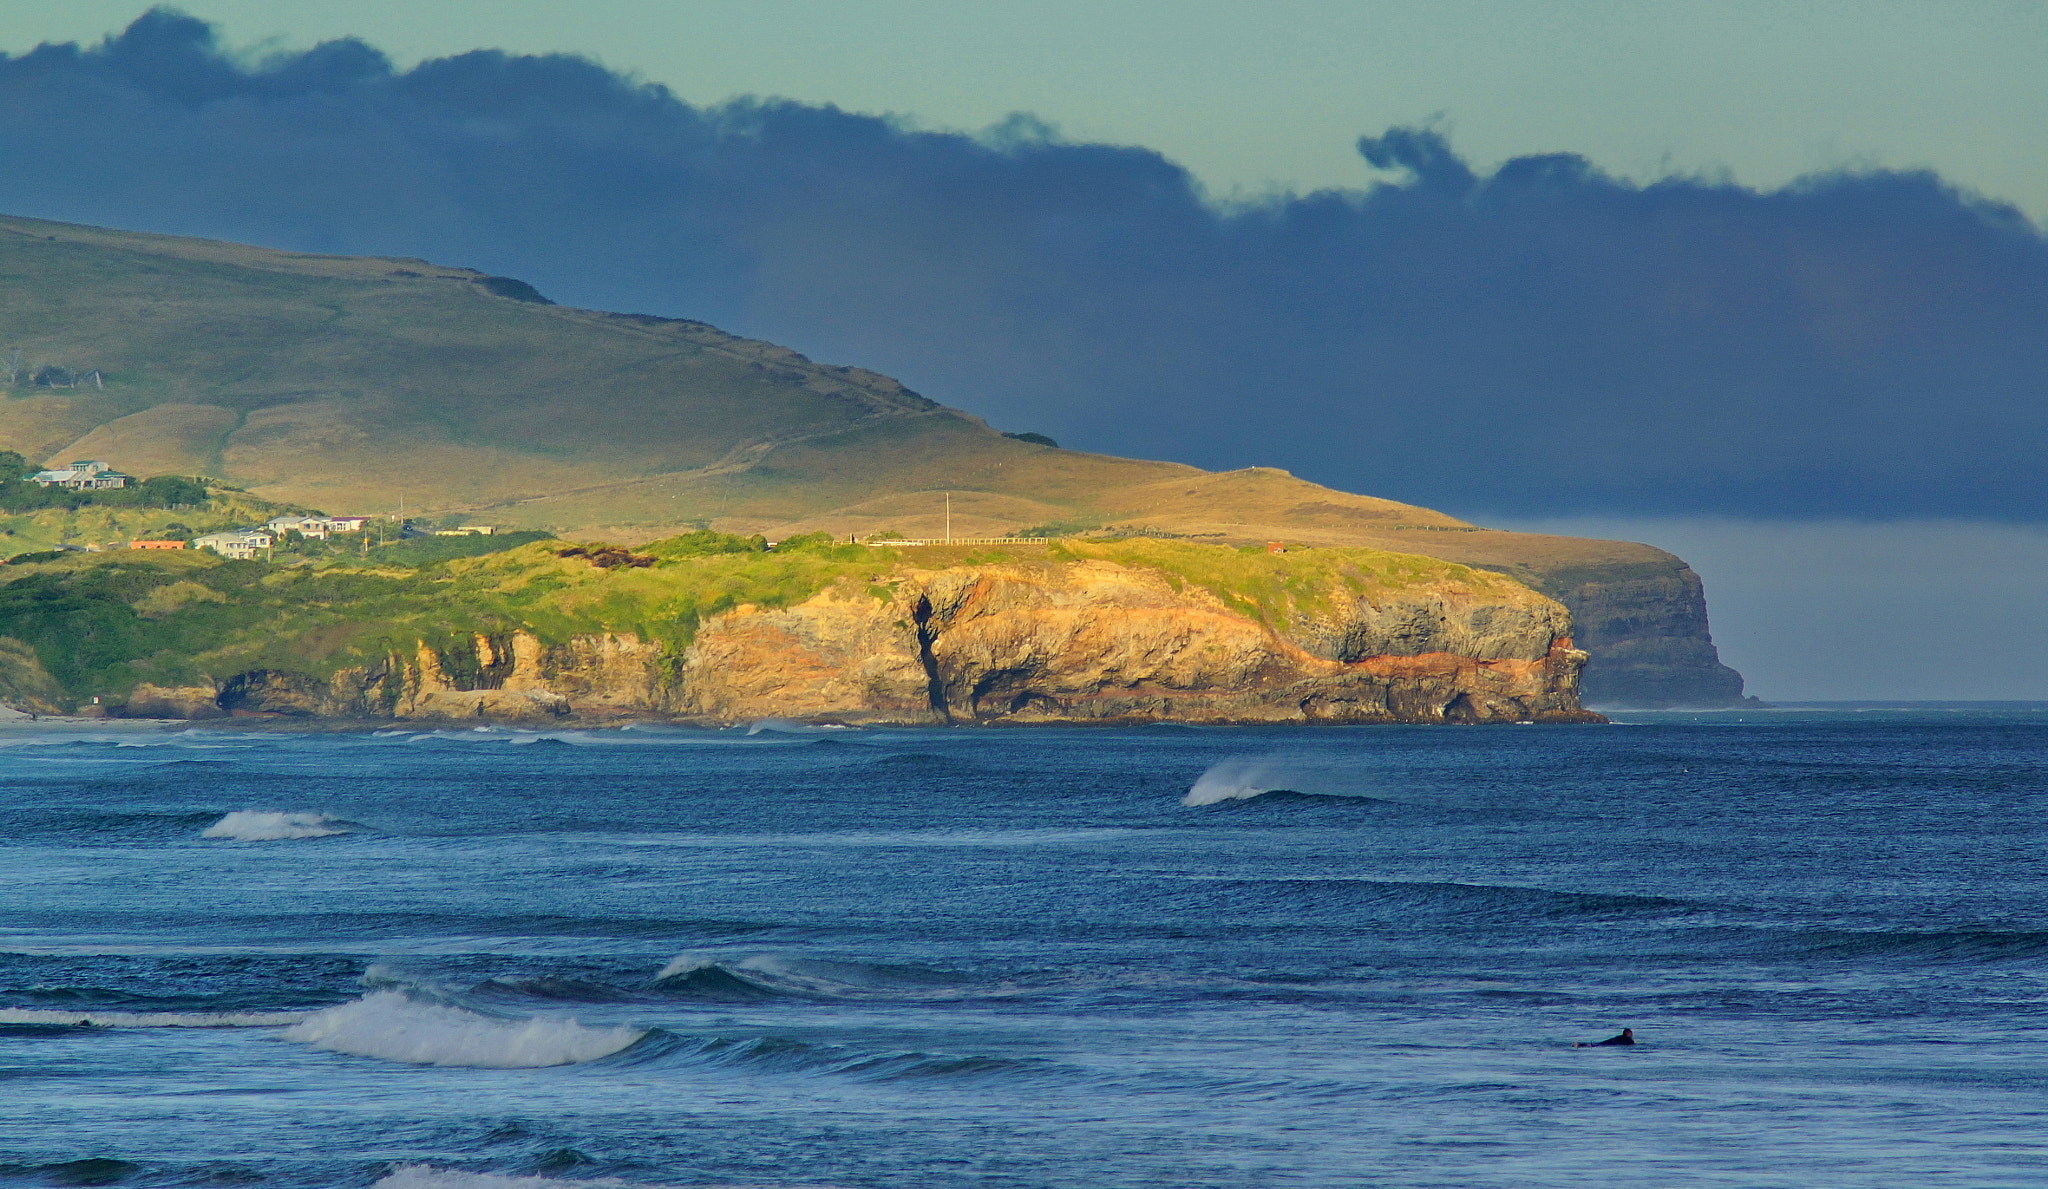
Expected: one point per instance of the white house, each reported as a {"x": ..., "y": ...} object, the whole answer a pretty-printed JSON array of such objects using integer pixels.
[
  {"x": 316, "y": 527},
  {"x": 306, "y": 526},
  {"x": 83, "y": 475},
  {"x": 241, "y": 543}
]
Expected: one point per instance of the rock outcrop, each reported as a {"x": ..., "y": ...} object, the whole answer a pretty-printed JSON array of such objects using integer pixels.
[
  {"x": 24, "y": 683},
  {"x": 1077, "y": 641},
  {"x": 1645, "y": 627},
  {"x": 1638, "y": 611}
]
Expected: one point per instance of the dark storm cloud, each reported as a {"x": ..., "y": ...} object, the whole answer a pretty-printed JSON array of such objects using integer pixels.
[{"x": 1544, "y": 339}]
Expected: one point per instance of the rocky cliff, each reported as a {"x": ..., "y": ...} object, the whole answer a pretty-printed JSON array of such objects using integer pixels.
[
  {"x": 1644, "y": 626},
  {"x": 1086, "y": 639},
  {"x": 1639, "y": 612}
]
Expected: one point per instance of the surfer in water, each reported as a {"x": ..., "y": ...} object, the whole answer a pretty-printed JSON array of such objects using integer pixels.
[{"x": 1627, "y": 1037}]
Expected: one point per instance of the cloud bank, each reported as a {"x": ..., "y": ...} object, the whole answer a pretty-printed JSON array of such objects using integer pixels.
[{"x": 1543, "y": 339}]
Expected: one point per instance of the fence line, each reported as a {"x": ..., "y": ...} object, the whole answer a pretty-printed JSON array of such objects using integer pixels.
[{"x": 961, "y": 541}]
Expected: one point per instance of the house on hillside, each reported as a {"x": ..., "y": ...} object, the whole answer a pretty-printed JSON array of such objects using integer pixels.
[
  {"x": 83, "y": 475},
  {"x": 239, "y": 543},
  {"x": 306, "y": 526},
  {"x": 156, "y": 544},
  {"x": 316, "y": 527},
  {"x": 468, "y": 530}
]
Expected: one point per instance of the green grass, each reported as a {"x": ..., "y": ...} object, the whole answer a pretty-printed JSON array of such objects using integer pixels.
[
  {"x": 448, "y": 384},
  {"x": 1278, "y": 589},
  {"x": 108, "y": 524},
  {"x": 102, "y": 623},
  {"x": 425, "y": 551}
]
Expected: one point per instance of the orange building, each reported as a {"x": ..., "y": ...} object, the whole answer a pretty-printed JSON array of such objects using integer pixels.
[{"x": 156, "y": 544}]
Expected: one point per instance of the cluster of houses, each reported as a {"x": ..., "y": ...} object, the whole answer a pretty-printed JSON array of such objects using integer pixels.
[
  {"x": 319, "y": 528},
  {"x": 246, "y": 543},
  {"x": 86, "y": 474}
]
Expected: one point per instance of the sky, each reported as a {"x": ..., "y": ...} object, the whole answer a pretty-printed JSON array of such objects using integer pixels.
[
  {"x": 1764, "y": 285},
  {"x": 1253, "y": 97}
]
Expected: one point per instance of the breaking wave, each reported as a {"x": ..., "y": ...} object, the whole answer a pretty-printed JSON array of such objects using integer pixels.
[
  {"x": 264, "y": 825},
  {"x": 764, "y": 976},
  {"x": 1241, "y": 778},
  {"x": 392, "y": 1026}
]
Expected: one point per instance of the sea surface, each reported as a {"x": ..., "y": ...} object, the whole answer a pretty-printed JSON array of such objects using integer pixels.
[{"x": 782, "y": 956}]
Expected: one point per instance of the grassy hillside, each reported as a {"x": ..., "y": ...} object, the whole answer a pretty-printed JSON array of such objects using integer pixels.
[
  {"x": 349, "y": 384},
  {"x": 357, "y": 385},
  {"x": 100, "y": 624}
]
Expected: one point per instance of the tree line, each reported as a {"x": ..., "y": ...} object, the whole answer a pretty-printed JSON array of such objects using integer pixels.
[{"x": 17, "y": 494}]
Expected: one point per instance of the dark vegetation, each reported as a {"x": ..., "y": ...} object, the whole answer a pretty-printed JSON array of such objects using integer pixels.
[
  {"x": 515, "y": 289},
  {"x": 426, "y": 551},
  {"x": 607, "y": 557},
  {"x": 162, "y": 491}
]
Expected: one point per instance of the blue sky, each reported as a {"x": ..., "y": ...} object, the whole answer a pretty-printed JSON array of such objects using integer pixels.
[{"x": 1570, "y": 270}]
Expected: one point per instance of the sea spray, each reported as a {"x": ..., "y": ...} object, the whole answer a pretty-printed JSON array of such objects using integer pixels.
[
  {"x": 767, "y": 974},
  {"x": 1241, "y": 778},
  {"x": 1238, "y": 778},
  {"x": 263, "y": 825},
  {"x": 393, "y": 1026}
]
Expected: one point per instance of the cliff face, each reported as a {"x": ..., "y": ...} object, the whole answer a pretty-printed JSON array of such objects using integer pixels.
[
  {"x": 1645, "y": 628},
  {"x": 1083, "y": 641},
  {"x": 1639, "y": 612}
]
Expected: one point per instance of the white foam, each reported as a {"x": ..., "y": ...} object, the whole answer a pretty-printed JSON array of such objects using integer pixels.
[
  {"x": 827, "y": 978},
  {"x": 152, "y": 1019},
  {"x": 263, "y": 825},
  {"x": 685, "y": 964},
  {"x": 1239, "y": 778},
  {"x": 391, "y": 1026}
]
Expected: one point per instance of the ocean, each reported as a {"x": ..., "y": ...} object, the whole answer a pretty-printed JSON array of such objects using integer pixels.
[{"x": 789, "y": 956}]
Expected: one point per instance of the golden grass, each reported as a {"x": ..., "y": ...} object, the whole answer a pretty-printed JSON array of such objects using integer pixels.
[{"x": 345, "y": 383}]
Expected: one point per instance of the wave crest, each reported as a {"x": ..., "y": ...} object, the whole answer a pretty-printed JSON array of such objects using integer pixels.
[
  {"x": 392, "y": 1026},
  {"x": 266, "y": 825},
  {"x": 761, "y": 976},
  {"x": 1236, "y": 779}
]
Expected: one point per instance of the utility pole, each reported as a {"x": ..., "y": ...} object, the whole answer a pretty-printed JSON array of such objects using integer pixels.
[{"x": 949, "y": 518}]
